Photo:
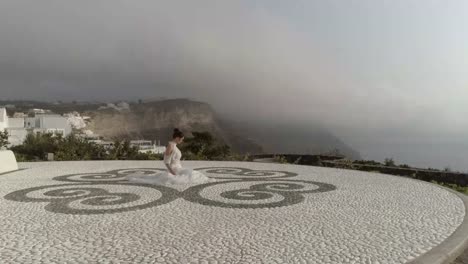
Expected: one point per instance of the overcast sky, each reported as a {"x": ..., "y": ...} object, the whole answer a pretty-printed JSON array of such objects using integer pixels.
[{"x": 388, "y": 77}]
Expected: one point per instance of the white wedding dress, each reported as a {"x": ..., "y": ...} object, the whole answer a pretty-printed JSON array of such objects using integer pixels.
[{"x": 182, "y": 175}]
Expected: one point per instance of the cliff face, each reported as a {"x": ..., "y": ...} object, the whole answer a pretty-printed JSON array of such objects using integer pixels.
[
  {"x": 150, "y": 120},
  {"x": 291, "y": 138},
  {"x": 156, "y": 121}
]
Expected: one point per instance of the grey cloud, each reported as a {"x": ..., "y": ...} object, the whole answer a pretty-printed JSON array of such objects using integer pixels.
[{"x": 240, "y": 57}]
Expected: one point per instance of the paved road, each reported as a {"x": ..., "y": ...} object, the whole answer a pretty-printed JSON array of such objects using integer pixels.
[{"x": 83, "y": 212}]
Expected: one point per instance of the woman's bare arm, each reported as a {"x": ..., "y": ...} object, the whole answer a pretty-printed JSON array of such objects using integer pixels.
[
  {"x": 169, "y": 169},
  {"x": 167, "y": 157}
]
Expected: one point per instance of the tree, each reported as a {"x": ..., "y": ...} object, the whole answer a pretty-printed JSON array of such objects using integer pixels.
[
  {"x": 75, "y": 148},
  {"x": 71, "y": 147},
  {"x": 203, "y": 146},
  {"x": 122, "y": 150},
  {"x": 218, "y": 152},
  {"x": 36, "y": 146},
  {"x": 389, "y": 162},
  {"x": 3, "y": 139},
  {"x": 335, "y": 152},
  {"x": 280, "y": 159}
]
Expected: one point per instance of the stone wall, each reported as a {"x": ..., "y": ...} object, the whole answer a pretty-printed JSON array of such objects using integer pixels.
[
  {"x": 338, "y": 162},
  {"x": 314, "y": 160},
  {"x": 420, "y": 174}
]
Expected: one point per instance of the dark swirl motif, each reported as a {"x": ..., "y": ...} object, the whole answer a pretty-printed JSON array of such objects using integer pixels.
[
  {"x": 290, "y": 191},
  {"x": 110, "y": 176},
  {"x": 88, "y": 194},
  {"x": 243, "y": 173},
  {"x": 61, "y": 196}
]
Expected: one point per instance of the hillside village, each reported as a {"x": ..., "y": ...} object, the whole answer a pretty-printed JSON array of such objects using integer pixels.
[{"x": 20, "y": 124}]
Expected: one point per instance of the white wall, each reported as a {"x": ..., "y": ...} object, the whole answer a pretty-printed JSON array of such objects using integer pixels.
[
  {"x": 16, "y": 136},
  {"x": 16, "y": 122},
  {"x": 16, "y": 127},
  {"x": 3, "y": 119},
  {"x": 7, "y": 161}
]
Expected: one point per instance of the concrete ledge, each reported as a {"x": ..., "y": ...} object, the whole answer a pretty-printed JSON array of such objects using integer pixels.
[
  {"x": 7, "y": 161},
  {"x": 453, "y": 246},
  {"x": 265, "y": 160}
]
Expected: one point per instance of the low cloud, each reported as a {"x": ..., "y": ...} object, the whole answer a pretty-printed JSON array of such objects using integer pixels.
[{"x": 244, "y": 59}]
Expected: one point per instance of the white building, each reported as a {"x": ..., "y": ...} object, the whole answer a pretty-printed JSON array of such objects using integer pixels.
[
  {"x": 39, "y": 111},
  {"x": 16, "y": 131},
  {"x": 14, "y": 127},
  {"x": 3, "y": 119},
  {"x": 19, "y": 115},
  {"x": 147, "y": 146},
  {"x": 106, "y": 144},
  {"x": 19, "y": 127},
  {"x": 55, "y": 124}
]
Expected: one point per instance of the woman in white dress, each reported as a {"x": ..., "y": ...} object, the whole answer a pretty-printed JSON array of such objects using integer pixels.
[{"x": 175, "y": 173}]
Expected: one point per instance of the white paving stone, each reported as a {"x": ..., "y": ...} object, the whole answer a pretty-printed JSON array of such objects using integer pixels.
[{"x": 368, "y": 218}]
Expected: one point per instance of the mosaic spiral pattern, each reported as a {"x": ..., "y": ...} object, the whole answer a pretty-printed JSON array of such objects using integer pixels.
[
  {"x": 94, "y": 198},
  {"x": 243, "y": 173},
  {"x": 258, "y": 193},
  {"x": 110, "y": 192},
  {"x": 110, "y": 176}
]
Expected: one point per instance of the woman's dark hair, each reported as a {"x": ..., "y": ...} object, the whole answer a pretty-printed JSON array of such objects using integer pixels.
[{"x": 177, "y": 133}]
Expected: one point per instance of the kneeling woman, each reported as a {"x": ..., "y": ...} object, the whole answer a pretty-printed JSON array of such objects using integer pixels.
[{"x": 175, "y": 173}]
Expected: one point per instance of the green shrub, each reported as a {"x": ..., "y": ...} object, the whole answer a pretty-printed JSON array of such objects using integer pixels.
[
  {"x": 389, "y": 162},
  {"x": 3, "y": 139},
  {"x": 452, "y": 186},
  {"x": 280, "y": 159},
  {"x": 202, "y": 146},
  {"x": 36, "y": 146}
]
